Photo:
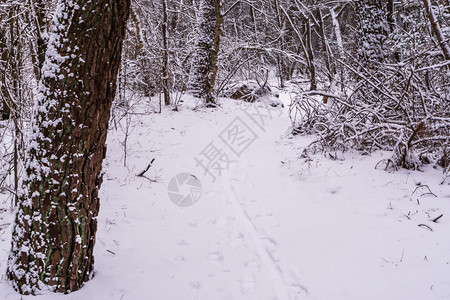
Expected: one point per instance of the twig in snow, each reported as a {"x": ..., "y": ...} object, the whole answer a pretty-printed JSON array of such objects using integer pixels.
[
  {"x": 387, "y": 161},
  {"x": 429, "y": 191},
  {"x": 386, "y": 260},
  {"x": 436, "y": 219},
  {"x": 425, "y": 226},
  {"x": 146, "y": 169},
  {"x": 150, "y": 179}
]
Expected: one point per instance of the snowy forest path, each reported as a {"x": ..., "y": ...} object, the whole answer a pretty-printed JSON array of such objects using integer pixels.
[
  {"x": 249, "y": 185},
  {"x": 272, "y": 226}
]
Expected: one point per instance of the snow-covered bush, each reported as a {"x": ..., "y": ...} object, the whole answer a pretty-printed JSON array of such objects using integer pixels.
[
  {"x": 403, "y": 108},
  {"x": 398, "y": 101}
]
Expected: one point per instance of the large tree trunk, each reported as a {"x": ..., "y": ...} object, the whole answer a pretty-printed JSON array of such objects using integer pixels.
[
  {"x": 56, "y": 223},
  {"x": 203, "y": 67},
  {"x": 373, "y": 30}
]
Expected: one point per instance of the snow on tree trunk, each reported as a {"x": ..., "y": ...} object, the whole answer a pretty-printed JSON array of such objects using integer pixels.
[
  {"x": 373, "y": 29},
  {"x": 165, "y": 55},
  {"x": 203, "y": 67},
  {"x": 437, "y": 29},
  {"x": 54, "y": 233},
  {"x": 340, "y": 45},
  {"x": 337, "y": 33},
  {"x": 215, "y": 52},
  {"x": 5, "y": 110}
]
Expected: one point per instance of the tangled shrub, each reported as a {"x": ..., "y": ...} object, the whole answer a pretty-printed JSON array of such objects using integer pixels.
[{"x": 403, "y": 108}]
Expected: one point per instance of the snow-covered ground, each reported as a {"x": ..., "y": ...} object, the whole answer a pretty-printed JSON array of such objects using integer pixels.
[{"x": 273, "y": 225}]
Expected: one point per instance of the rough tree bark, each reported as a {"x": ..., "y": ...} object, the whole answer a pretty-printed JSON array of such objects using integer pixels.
[
  {"x": 54, "y": 233},
  {"x": 204, "y": 61},
  {"x": 373, "y": 30}
]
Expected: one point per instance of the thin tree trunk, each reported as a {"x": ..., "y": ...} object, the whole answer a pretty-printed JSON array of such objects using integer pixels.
[
  {"x": 202, "y": 73},
  {"x": 215, "y": 53},
  {"x": 253, "y": 17},
  {"x": 40, "y": 25},
  {"x": 280, "y": 61},
  {"x": 391, "y": 15},
  {"x": 312, "y": 66},
  {"x": 15, "y": 62},
  {"x": 340, "y": 45},
  {"x": 4, "y": 59},
  {"x": 56, "y": 223},
  {"x": 307, "y": 49},
  {"x": 326, "y": 47},
  {"x": 137, "y": 28},
  {"x": 165, "y": 55},
  {"x": 435, "y": 27},
  {"x": 38, "y": 18}
]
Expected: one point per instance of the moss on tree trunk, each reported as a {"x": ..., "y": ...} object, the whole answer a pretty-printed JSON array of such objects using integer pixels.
[{"x": 56, "y": 223}]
